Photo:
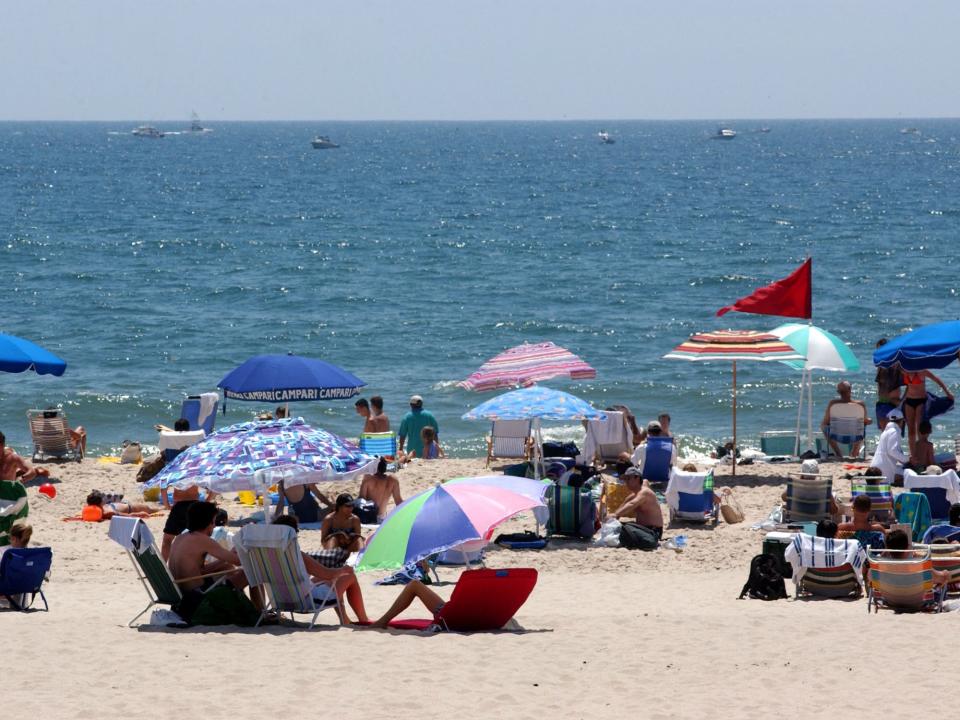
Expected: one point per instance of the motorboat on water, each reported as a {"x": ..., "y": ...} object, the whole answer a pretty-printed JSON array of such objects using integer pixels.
[
  {"x": 725, "y": 134},
  {"x": 196, "y": 127},
  {"x": 605, "y": 138},
  {"x": 910, "y": 131},
  {"x": 147, "y": 131},
  {"x": 322, "y": 142}
]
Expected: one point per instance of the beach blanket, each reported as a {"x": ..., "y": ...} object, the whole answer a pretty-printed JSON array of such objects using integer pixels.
[
  {"x": 13, "y": 506},
  {"x": 914, "y": 510},
  {"x": 806, "y": 551}
]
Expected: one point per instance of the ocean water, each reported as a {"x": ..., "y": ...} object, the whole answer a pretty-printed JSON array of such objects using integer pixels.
[{"x": 416, "y": 251}]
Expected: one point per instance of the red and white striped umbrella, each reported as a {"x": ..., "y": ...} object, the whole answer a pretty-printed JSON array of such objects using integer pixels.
[{"x": 525, "y": 365}]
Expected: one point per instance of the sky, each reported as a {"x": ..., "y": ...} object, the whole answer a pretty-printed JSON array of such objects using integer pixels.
[{"x": 480, "y": 60}]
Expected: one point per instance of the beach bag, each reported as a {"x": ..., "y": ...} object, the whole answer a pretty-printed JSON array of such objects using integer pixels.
[
  {"x": 366, "y": 510},
  {"x": 150, "y": 468},
  {"x": 131, "y": 454},
  {"x": 637, "y": 537},
  {"x": 729, "y": 507},
  {"x": 765, "y": 581},
  {"x": 559, "y": 449},
  {"x": 220, "y": 605},
  {"x": 572, "y": 511},
  {"x": 526, "y": 540}
]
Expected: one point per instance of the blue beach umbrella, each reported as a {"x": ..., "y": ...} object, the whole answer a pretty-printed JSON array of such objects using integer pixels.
[
  {"x": 288, "y": 378},
  {"x": 536, "y": 403},
  {"x": 930, "y": 347},
  {"x": 19, "y": 355}
]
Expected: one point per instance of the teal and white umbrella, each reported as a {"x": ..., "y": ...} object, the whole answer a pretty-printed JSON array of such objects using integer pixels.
[{"x": 821, "y": 350}]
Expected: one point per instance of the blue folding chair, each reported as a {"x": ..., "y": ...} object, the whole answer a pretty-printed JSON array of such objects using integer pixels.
[
  {"x": 656, "y": 463},
  {"x": 22, "y": 572},
  {"x": 690, "y": 496},
  {"x": 190, "y": 411}
]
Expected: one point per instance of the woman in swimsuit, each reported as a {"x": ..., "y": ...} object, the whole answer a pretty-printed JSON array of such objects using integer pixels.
[
  {"x": 341, "y": 528},
  {"x": 124, "y": 509},
  {"x": 914, "y": 399},
  {"x": 300, "y": 499}
]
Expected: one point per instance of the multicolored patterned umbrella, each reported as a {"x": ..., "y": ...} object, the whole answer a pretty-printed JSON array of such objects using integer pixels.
[
  {"x": 734, "y": 345},
  {"x": 535, "y": 402},
  {"x": 448, "y": 515},
  {"x": 250, "y": 455},
  {"x": 526, "y": 364}
]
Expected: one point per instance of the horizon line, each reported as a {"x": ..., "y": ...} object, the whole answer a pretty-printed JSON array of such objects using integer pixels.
[{"x": 899, "y": 118}]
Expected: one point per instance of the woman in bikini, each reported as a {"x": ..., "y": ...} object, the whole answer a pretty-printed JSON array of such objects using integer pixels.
[
  {"x": 914, "y": 399},
  {"x": 341, "y": 528}
]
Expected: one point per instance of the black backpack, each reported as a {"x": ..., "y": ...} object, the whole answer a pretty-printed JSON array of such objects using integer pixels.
[{"x": 766, "y": 580}]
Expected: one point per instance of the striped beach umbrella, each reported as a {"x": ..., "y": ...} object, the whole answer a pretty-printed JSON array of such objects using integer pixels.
[
  {"x": 526, "y": 364},
  {"x": 448, "y": 515},
  {"x": 731, "y": 346}
]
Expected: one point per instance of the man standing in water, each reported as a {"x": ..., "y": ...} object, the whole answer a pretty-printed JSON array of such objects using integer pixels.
[{"x": 411, "y": 425}]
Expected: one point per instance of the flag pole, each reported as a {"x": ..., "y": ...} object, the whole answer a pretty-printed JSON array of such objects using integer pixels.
[{"x": 734, "y": 455}]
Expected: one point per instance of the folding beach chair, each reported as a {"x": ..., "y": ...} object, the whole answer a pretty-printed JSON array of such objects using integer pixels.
[
  {"x": 881, "y": 498},
  {"x": 22, "y": 572},
  {"x": 382, "y": 444},
  {"x": 607, "y": 439},
  {"x": 824, "y": 567},
  {"x": 690, "y": 496},
  {"x": 51, "y": 436},
  {"x": 941, "y": 490},
  {"x": 172, "y": 443},
  {"x": 905, "y": 583},
  {"x": 270, "y": 557},
  {"x": 482, "y": 600},
  {"x": 945, "y": 557},
  {"x": 133, "y": 535},
  {"x": 509, "y": 439},
  {"x": 201, "y": 411},
  {"x": 656, "y": 463},
  {"x": 808, "y": 498},
  {"x": 846, "y": 426}
]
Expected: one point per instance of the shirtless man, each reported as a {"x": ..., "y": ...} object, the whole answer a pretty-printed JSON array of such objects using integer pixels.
[
  {"x": 843, "y": 390},
  {"x": 14, "y": 467},
  {"x": 641, "y": 505},
  {"x": 379, "y": 488},
  {"x": 377, "y": 415},
  {"x": 189, "y": 551}
]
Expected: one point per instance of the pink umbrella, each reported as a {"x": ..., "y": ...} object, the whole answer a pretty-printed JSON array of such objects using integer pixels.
[{"x": 525, "y": 365}]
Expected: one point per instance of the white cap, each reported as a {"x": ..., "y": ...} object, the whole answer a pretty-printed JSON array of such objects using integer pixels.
[
  {"x": 895, "y": 414},
  {"x": 416, "y": 400}
]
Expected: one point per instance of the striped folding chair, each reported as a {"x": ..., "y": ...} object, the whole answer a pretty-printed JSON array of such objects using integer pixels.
[
  {"x": 509, "y": 439},
  {"x": 825, "y": 567},
  {"x": 808, "y": 498},
  {"x": 382, "y": 444},
  {"x": 903, "y": 580},
  {"x": 51, "y": 436},
  {"x": 881, "y": 498},
  {"x": 946, "y": 557},
  {"x": 270, "y": 557}
]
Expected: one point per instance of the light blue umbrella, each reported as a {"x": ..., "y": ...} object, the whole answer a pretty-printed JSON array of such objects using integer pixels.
[{"x": 535, "y": 403}]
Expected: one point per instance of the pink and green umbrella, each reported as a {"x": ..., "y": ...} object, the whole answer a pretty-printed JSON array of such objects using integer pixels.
[{"x": 448, "y": 515}]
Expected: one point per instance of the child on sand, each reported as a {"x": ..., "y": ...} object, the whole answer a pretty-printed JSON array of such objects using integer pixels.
[
  {"x": 923, "y": 448},
  {"x": 431, "y": 446}
]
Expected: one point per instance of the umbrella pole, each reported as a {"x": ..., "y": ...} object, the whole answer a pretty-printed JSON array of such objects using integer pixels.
[
  {"x": 796, "y": 443},
  {"x": 538, "y": 450},
  {"x": 810, "y": 440},
  {"x": 734, "y": 455}
]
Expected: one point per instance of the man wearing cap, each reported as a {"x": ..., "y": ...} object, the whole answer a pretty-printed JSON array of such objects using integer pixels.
[
  {"x": 654, "y": 429},
  {"x": 411, "y": 425},
  {"x": 888, "y": 456},
  {"x": 641, "y": 504}
]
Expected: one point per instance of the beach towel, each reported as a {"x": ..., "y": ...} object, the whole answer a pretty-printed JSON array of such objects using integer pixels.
[
  {"x": 131, "y": 534},
  {"x": 13, "y": 506},
  {"x": 941, "y": 490},
  {"x": 913, "y": 509},
  {"x": 606, "y": 438},
  {"x": 950, "y": 533},
  {"x": 208, "y": 405},
  {"x": 806, "y": 551}
]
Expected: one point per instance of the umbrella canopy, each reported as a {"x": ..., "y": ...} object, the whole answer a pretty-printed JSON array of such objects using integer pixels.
[
  {"x": 448, "y": 515},
  {"x": 526, "y": 364},
  {"x": 821, "y": 350},
  {"x": 18, "y": 355},
  {"x": 734, "y": 345},
  {"x": 249, "y": 455},
  {"x": 535, "y": 402},
  {"x": 930, "y": 347},
  {"x": 287, "y": 378}
]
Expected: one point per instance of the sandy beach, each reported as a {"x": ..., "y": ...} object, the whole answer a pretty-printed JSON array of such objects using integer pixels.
[{"x": 606, "y": 631}]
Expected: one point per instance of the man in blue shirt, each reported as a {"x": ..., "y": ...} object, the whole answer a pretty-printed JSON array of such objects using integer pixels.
[{"x": 411, "y": 425}]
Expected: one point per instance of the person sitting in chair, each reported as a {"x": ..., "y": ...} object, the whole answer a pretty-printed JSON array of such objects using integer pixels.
[
  {"x": 379, "y": 488},
  {"x": 302, "y": 501},
  {"x": 341, "y": 528},
  {"x": 861, "y": 516},
  {"x": 13, "y": 467},
  {"x": 639, "y": 457},
  {"x": 641, "y": 505},
  {"x": 844, "y": 391},
  {"x": 898, "y": 540}
]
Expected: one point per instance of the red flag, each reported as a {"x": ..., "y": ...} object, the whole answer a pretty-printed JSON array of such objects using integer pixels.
[{"x": 790, "y": 297}]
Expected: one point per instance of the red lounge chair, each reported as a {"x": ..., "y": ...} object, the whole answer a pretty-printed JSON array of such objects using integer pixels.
[{"x": 482, "y": 600}]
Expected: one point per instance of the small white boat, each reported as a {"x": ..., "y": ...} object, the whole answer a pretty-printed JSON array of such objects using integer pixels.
[
  {"x": 910, "y": 131},
  {"x": 147, "y": 131},
  {"x": 605, "y": 138},
  {"x": 196, "y": 127},
  {"x": 725, "y": 134},
  {"x": 322, "y": 142}
]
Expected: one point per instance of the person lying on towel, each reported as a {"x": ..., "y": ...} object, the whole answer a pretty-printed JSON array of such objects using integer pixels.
[{"x": 641, "y": 504}]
